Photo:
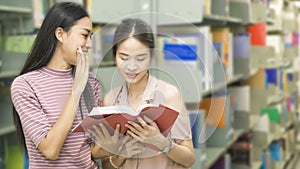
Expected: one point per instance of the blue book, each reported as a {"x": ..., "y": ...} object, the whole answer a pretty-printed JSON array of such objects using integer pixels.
[
  {"x": 241, "y": 45},
  {"x": 274, "y": 149},
  {"x": 183, "y": 52},
  {"x": 272, "y": 76},
  {"x": 197, "y": 124}
]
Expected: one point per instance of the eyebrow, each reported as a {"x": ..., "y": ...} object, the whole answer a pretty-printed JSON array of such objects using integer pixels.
[
  {"x": 142, "y": 54},
  {"x": 122, "y": 53},
  {"x": 89, "y": 31},
  {"x": 138, "y": 55}
]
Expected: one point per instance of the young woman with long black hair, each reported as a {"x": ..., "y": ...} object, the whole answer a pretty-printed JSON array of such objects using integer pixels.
[{"x": 55, "y": 91}]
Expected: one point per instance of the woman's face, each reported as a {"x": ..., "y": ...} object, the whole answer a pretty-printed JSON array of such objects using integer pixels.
[
  {"x": 78, "y": 36},
  {"x": 133, "y": 60}
]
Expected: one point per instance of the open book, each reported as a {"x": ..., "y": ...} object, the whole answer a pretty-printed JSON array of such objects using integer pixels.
[{"x": 113, "y": 115}]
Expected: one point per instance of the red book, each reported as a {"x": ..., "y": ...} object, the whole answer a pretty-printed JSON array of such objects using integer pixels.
[
  {"x": 258, "y": 34},
  {"x": 113, "y": 115}
]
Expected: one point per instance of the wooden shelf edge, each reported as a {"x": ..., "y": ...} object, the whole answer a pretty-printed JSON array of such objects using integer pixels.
[
  {"x": 12, "y": 9},
  {"x": 7, "y": 129}
]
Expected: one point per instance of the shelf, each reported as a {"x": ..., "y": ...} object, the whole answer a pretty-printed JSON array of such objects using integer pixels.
[
  {"x": 218, "y": 19},
  {"x": 219, "y": 87},
  {"x": 286, "y": 65},
  {"x": 236, "y": 135},
  {"x": 213, "y": 153},
  {"x": 6, "y": 117},
  {"x": 256, "y": 165},
  {"x": 199, "y": 162},
  {"x": 8, "y": 74},
  {"x": 6, "y": 128},
  {"x": 270, "y": 21},
  {"x": 275, "y": 31},
  {"x": 11, "y": 9},
  {"x": 6, "y": 122},
  {"x": 274, "y": 100},
  {"x": 236, "y": 78},
  {"x": 253, "y": 120}
]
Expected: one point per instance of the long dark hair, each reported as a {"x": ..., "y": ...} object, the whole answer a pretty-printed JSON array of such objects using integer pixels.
[
  {"x": 136, "y": 28},
  {"x": 63, "y": 15}
]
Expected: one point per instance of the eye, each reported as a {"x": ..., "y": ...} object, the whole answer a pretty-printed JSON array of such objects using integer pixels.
[
  {"x": 124, "y": 58},
  {"x": 85, "y": 35},
  {"x": 140, "y": 59}
]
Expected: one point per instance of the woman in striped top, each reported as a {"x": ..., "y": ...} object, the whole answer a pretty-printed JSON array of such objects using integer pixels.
[{"x": 55, "y": 91}]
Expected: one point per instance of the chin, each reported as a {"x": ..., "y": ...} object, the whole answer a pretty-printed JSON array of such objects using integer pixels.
[{"x": 131, "y": 81}]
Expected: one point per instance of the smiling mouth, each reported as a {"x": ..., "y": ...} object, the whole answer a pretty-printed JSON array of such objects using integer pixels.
[{"x": 131, "y": 75}]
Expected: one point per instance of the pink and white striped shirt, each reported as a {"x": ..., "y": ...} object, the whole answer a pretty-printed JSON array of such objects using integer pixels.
[{"x": 39, "y": 97}]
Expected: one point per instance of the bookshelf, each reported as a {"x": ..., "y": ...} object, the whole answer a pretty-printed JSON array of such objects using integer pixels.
[
  {"x": 194, "y": 12},
  {"x": 16, "y": 19},
  {"x": 213, "y": 153},
  {"x": 238, "y": 20}
]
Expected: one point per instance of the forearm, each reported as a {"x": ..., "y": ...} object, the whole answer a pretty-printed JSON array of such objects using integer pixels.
[
  {"x": 182, "y": 153},
  {"x": 52, "y": 144}
]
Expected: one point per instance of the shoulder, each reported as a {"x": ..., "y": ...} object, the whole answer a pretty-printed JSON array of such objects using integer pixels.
[
  {"x": 107, "y": 101},
  {"x": 22, "y": 85},
  {"x": 24, "y": 80},
  {"x": 170, "y": 91},
  {"x": 171, "y": 94}
]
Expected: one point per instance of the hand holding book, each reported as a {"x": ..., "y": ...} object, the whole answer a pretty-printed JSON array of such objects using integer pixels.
[
  {"x": 115, "y": 144},
  {"x": 110, "y": 116},
  {"x": 147, "y": 133}
]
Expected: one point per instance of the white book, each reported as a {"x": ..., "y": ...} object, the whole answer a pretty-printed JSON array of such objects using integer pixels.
[
  {"x": 241, "y": 96},
  {"x": 263, "y": 124},
  {"x": 230, "y": 67},
  {"x": 206, "y": 57}
]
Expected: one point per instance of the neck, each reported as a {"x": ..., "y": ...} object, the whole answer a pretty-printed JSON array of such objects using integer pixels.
[
  {"x": 57, "y": 62},
  {"x": 137, "y": 89}
]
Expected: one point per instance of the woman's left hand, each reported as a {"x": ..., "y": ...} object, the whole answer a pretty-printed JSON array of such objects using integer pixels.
[
  {"x": 115, "y": 144},
  {"x": 147, "y": 132}
]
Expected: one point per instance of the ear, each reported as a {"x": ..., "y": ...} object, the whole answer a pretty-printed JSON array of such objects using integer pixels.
[{"x": 59, "y": 32}]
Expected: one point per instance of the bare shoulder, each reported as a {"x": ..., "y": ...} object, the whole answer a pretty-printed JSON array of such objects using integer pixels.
[
  {"x": 173, "y": 96},
  {"x": 171, "y": 91},
  {"x": 108, "y": 101}
]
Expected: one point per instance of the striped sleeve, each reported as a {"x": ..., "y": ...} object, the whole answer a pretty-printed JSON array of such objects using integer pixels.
[
  {"x": 97, "y": 88},
  {"x": 34, "y": 121}
]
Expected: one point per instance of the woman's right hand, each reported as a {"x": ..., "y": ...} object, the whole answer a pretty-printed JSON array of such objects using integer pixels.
[{"x": 82, "y": 72}]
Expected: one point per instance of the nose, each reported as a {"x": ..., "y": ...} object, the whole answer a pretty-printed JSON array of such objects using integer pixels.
[
  {"x": 132, "y": 66},
  {"x": 89, "y": 43}
]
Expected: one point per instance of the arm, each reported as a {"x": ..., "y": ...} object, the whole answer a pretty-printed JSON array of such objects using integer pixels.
[
  {"x": 115, "y": 159},
  {"x": 183, "y": 147},
  {"x": 129, "y": 146},
  {"x": 54, "y": 140},
  {"x": 181, "y": 151}
]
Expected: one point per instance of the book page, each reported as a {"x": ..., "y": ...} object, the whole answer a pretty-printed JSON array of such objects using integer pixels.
[
  {"x": 142, "y": 107},
  {"x": 113, "y": 110}
]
